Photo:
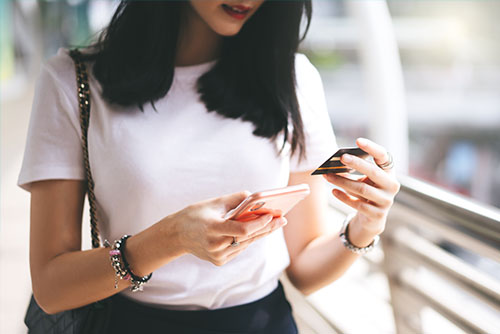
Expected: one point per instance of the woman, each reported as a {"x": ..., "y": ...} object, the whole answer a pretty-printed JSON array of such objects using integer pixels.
[{"x": 194, "y": 104}]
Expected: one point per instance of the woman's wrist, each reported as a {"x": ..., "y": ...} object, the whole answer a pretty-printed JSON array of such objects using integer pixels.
[
  {"x": 359, "y": 235},
  {"x": 153, "y": 247}
]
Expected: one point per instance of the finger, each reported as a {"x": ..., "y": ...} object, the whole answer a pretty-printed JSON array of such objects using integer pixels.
[
  {"x": 232, "y": 200},
  {"x": 368, "y": 181},
  {"x": 271, "y": 227},
  {"x": 378, "y": 152},
  {"x": 219, "y": 244},
  {"x": 222, "y": 257},
  {"x": 366, "y": 209},
  {"x": 234, "y": 254},
  {"x": 354, "y": 177},
  {"x": 362, "y": 190},
  {"x": 373, "y": 172},
  {"x": 246, "y": 242},
  {"x": 344, "y": 175},
  {"x": 393, "y": 187},
  {"x": 355, "y": 197},
  {"x": 240, "y": 229}
]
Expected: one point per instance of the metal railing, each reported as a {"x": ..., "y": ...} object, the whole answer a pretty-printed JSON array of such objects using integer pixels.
[
  {"x": 441, "y": 253},
  {"x": 435, "y": 247}
]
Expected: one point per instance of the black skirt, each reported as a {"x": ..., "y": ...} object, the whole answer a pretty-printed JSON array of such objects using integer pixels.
[{"x": 269, "y": 315}]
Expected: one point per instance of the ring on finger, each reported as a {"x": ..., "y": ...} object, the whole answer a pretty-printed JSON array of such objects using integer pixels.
[
  {"x": 235, "y": 243},
  {"x": 389, "y": 164}
]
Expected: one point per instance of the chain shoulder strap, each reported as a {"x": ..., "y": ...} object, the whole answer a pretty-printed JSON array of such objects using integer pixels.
[{"x": 83, "y": 90}]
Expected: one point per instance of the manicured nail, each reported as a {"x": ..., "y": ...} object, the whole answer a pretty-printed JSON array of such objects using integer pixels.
[{"x": 347, "y": 158}]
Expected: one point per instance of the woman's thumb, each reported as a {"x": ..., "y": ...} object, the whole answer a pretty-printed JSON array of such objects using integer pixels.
[{"x": 232, "y": 200}]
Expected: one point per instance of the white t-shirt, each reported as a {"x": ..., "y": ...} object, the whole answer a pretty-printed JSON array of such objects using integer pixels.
[{"x": 149, "y": 165}]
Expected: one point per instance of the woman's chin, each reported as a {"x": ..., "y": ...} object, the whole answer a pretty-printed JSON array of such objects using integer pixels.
[{"x": 228, "y": 30}]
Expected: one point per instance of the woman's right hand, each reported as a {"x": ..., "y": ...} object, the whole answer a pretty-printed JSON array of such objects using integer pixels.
[{"x": 204, "y": 233}]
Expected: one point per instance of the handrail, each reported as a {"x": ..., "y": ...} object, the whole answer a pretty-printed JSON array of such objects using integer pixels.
[
  {"x": 459, "y": 316},
  {"x": 458, "y": 203},
  {"x": 482, "y": 220},
  {"x": 422, "y": 218},
  {"x": 449, "y": 265},
  {"x": 445, "y": 230}
]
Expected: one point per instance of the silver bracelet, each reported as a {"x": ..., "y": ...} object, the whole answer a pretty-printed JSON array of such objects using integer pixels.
[{"x": 345, "y": 239}]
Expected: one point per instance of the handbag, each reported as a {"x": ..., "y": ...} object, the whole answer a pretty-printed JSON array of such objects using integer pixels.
[{"x": 93, "y": 318}]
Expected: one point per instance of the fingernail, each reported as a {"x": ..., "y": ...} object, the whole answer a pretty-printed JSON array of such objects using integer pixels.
[
  {"x": 362, "y": 141},
  {"x": 284, "y": 221},
  {"x": 347, "y": 158}
]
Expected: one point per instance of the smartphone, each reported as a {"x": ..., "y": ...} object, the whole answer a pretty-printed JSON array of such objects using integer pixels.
[
  {"x": 334, "y": 165},
  {"x": 276, "y": 202}
]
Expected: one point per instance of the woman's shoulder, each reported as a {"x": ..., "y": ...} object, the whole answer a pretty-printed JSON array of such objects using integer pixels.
[
  {"x": 302, "y": 60},
  {"x": 308, "y": 79},
  {"x": 58, "y": 72},
  {"x": 303, "y": 64},
  {"x": 306, "y": 73},
  {"x": 60, "y": 65},
  {"x": 59, "y": 69}
]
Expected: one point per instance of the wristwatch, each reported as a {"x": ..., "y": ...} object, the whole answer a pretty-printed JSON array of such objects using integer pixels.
[{"x": 345, "y": 238}]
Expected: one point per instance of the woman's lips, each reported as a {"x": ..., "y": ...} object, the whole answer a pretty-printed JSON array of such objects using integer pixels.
[{"x": 237, "y": 11}]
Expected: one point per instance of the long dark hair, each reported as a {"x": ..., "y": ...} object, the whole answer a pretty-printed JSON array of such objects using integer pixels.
[{"x": 134, "y": 61}]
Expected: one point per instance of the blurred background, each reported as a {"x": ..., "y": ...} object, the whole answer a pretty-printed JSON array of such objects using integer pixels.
[{"x": 448, "y": 56}]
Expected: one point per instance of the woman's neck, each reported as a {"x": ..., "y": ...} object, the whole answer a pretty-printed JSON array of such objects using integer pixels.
[{"x": 198, "y": 43}]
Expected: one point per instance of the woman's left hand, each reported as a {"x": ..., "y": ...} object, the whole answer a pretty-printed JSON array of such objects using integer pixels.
[{"x": 372, "y": 195}]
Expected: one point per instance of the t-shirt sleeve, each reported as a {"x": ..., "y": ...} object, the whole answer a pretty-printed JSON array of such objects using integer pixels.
[
  {"x": 319, "y": 137},
  {"x": 53, "y": 145}
]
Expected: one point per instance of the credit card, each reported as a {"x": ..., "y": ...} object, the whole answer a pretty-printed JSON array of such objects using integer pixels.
[{"x": 334, "y": 165}]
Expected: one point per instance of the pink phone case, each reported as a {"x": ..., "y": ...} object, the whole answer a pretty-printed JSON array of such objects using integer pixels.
[{"x": 276, "y": 202}]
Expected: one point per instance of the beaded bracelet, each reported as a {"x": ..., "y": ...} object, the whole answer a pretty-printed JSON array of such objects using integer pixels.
[
  {"x": 344, "y": 237},
  {"x": 137, "y": 281},
  {"x": 122, "y": 268}
]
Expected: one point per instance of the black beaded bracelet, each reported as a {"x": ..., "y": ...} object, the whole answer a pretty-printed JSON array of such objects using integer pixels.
[
  {"x": 134, "y": 278},
  {"x": 122, "y": 268}
]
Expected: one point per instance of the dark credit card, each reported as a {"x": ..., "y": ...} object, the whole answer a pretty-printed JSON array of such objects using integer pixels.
[{"x": 333, "y": 164}]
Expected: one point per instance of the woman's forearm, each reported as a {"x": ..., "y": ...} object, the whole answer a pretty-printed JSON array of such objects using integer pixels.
[
  {"x": 64, "y": 278},
  {"x": 79, "y": 278},
  {"x": 325, "y": 259}
]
